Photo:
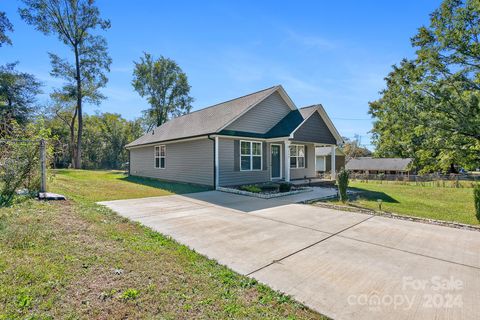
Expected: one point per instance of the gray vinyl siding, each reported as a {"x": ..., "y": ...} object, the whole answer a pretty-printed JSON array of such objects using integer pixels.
[
  {"x": 314, "y": 129},
  {"x": 229, "y": 175},
  {"x": 263, "y": 116},
  {"x": 309, "y": 170},
  {"x": 190, "y": 161}
]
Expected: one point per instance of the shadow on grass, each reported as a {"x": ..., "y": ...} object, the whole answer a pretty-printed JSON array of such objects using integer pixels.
[
  {"x": 174, "y": 187},
  {"x": 372, "y": 195}
]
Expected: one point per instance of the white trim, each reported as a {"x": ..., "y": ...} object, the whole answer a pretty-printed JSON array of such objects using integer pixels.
[
  {"x": 251, "y": 155},
  {"x": 304, "y": 155},
  {"x": 217, "y": 164},
  {"x": 287, "y": 161},
  {"x": 282, "y": 93},
  {"x": 333, "y": 169},
  {"x": 165, "y": 142},
  {"x": 281, "y": 161},
  {"x": 159, "y": 157}
]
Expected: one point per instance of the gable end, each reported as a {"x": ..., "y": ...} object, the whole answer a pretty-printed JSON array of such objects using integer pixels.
[
  {"x": 314, "y": 129},
  {"x": 263, "y": 116}
]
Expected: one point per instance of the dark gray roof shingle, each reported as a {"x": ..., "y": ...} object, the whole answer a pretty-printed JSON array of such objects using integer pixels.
[
  {"x": 380, "y": 164},
  {"x": 205, "y": 121}
]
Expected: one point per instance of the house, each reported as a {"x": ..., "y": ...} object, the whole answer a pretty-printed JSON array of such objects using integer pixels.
[
  {"x": 255, "y": 138},
  {"x": 323, "y": 159},
  {"x": 369, "y": 165}
]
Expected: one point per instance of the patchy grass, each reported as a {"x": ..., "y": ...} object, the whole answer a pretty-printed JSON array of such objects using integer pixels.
[
  {"x": 99, "y": 185},
  {"x": 448, "y": 204},
  {"x": 75, "y": 259}
]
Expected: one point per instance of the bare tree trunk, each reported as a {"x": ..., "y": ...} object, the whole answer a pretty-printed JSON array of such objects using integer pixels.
[
  {"x": 78, "y": 153},
  {"x": 72, "y": 138}
]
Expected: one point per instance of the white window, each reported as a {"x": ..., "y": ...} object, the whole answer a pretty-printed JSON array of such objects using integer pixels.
[
  {"x": 250, "y": 155},
  {"x": 297, "y": 156},
  {"x": 160, "y": 154}
]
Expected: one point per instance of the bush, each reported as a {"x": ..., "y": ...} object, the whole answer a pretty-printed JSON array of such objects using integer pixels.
[
  {"x": 251, "y": 188},
  {"x": 269, "y": 187},
  {"x": 19, "y": 161},
  {"x": 285, "y": 187},
  {"x": 342, "y": 181},
  {"x": 476, "y": 197}
]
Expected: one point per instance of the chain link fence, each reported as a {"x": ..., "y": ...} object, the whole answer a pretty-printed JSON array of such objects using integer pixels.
[
  {"x": 22, "y": 168},
  {"x": 432, "y": 180}
]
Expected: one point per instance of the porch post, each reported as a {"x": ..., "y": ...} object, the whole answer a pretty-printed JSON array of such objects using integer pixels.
[
  {"x": 333, "y": 169},
  {"x": 287, "y": 161},
  {"x": 217, "y": 169}
]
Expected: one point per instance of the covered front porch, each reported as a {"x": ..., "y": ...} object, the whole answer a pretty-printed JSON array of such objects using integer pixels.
[{"x": 293, "y": 161}]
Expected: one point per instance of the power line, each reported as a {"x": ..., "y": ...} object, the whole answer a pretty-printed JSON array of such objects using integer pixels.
[{"x": 356, "y": 119}]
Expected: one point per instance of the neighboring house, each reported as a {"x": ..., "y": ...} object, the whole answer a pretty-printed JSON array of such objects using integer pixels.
[
  {"x": 323, "y": 159},
  {"x": 369, "y": 165},
  {"x": 255, "y": 138}
]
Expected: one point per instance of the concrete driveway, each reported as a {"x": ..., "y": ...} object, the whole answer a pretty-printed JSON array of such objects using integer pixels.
[{"x": 344, "y": 265}]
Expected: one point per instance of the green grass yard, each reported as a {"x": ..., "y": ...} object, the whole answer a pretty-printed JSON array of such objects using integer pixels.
[
  {"x": 101, "y": 185},
  {"x": 75, "y": 259},
  {"x": 448, "y": 204}
]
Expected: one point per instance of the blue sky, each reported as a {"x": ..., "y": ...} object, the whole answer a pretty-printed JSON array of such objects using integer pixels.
[{"x": 331, "y": 52}]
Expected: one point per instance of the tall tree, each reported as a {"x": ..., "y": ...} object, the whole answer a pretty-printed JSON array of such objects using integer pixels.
[
  {"x": 430, "y": 109},
  {"x": 18, "y": 91},
  {"x": 74, "y": 23},
  {"x": 5, "y": 26},
  {"x": 165, "y": 86}
]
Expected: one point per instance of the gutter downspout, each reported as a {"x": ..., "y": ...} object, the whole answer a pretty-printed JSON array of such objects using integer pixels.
[{"x": 214, "y": 162}]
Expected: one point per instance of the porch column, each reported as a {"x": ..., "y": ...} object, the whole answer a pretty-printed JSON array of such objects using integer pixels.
[
  {"x": 333, "y": 169},
  {"x": 217, "y": 168},
  {"x": 287, "y": 161}
]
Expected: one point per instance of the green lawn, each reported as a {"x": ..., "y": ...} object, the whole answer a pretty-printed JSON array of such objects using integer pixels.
[
  {"x": 75, "y": 259},
  {"x": 448, "y": 204},
  {"x": 113, "y": 185}
]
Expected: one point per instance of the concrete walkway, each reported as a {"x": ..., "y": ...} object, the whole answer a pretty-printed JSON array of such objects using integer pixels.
[{"x": 344, "y": 265}]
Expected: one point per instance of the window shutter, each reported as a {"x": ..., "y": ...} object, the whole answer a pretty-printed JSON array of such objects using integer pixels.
[
  {"x": 236, "y": 155},
  {"x": 264, "y": 156},
  {"x": 306, "y": 156}
]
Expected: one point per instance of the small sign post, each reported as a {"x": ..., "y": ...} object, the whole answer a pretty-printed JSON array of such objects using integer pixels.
[{"x": 43, "y": 167}]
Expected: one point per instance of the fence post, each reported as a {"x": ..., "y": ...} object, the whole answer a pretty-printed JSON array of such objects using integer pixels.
[{"x": 43, "y": 167}]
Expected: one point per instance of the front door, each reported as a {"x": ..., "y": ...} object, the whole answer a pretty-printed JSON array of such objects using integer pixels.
[{"x": 276, "y": 161}]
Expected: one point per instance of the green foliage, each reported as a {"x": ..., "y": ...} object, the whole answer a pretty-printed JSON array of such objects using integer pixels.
[
  {"x": 74, "y": 23},
  {"x": 5, "y": 25},
  {"x": 105, "y": 137},
  {"x": 352, "y": 149},
  {"x": 285, "y": 187},
  {"x": 18, "y": 92},
  {"x": 251, "y": 188},
  {"x": 430, "y": 110},
  {"x": 130, "y": 294},
  {"x": 342, "y": 181},
  {"x": 165, "y": 86},
  {"x": 20, "y": 163},
  {"x": 269, "y": 186},
  {"x": 476, "y": 199}
]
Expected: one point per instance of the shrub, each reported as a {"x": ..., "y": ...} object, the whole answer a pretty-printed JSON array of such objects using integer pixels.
[
  {"x": 476, "y": 197},
  {"x": 285, "y": 187},
  {"x": 268, "y": 187},
  {"x": 251, "y": 188},
  {"x": 342, "y": 181},
  {"x": 19, "y": 161}
]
